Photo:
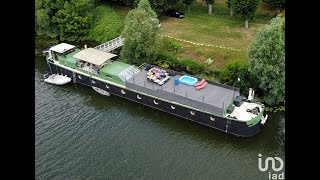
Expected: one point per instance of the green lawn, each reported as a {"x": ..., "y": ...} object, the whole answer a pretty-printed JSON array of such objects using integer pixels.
[{"x": 218, "y": 29}]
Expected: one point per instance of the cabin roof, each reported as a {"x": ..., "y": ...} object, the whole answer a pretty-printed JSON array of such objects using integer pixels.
[
  {"x": 115, "y": 68},
  {"x": 94, "y": 56},
  {"x": 62, "y": 47}
]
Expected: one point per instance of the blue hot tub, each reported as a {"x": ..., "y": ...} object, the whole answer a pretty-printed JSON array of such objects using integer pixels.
[{"x": 188, "y": 80}]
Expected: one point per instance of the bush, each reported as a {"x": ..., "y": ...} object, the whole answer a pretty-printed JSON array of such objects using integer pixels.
[
  {"x": 198, "y": 52},
  {"x": 171, "y": 62},
  {"x": 234, "y": 69},
  {"x": 172, "y": 46},
  {"x": 193, "y": 67}
]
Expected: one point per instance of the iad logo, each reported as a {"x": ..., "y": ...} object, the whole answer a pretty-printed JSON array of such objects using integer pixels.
[{"x": 273, "y": 165}]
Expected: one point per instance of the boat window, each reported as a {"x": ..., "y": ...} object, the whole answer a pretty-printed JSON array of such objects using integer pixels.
[
  {"x": 192, "y": 113},
  {"x": 79, "y": 77},
  {"x": 93, "y": 81},
  {"x": 172, "y": 107},
  {"x": 155, "y": 102},
  {"x": 212, "y": 118},
  {"x": 107, "y": 86},
  {"x": 139, "y": 97},
  {"x": 122, "y": 91}
]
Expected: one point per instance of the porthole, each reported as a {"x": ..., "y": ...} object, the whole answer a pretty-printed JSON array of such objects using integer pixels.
[
  {"x": 155, "y": 102},
  {"x": 122, "y": 91},
  {"x": 172, "y": 107},
  {"x": 93, "y": 81},
  {"x": 212, "y": 118},
  {"x": 192, "y": 113},
  {"x": 107, "y": 86},
  {"x": 79, "y": 77},
  {"x": 139, "y": 97}
]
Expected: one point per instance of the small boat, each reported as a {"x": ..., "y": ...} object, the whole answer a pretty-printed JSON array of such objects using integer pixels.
[
  {"x": 56, "y": 79},
  {"x": 101, "y": 91}
]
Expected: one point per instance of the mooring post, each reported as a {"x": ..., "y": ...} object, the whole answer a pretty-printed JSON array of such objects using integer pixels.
[
  {"x": 202, "y": 98},
  {"x": 174, "y": 90},
  {"x": 152, "y": 86},
  {"x": 144, "y": 83},
  {"x": 186, "y": 93}
]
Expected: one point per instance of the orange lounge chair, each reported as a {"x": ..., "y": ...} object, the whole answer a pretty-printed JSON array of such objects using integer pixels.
[
  {"x": 200, "y": 83},
  {"x": 202, "y": 86}
]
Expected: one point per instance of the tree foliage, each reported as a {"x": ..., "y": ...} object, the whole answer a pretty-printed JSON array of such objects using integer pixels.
[
  {"x": 235, "y": 73},
  {"x": 44, "y": 11},
  {"x": 156, "y": 5},
  {"x": 188, "y": 3},
  {"x": 245, "y": 8},
  {"x": 141, "y": 33},
  {"x": 278, "y": 4},
  {"x": 70, "y": 19},
  {"x": 74, "y": 19},
  {"x": 267, "y": 60}
]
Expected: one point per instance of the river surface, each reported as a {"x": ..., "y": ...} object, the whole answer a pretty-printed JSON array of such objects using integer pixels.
[{"x": 80, "y": 134}]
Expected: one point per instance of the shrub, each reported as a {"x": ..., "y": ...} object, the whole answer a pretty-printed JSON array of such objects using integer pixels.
[
  {"x": 234, "y": 69},
  {"x": 193, "y": 67},
  {"x": 171, "y": 62},
  {"x": 173, "y": 46},
  {"x": 198, "y": 52}
]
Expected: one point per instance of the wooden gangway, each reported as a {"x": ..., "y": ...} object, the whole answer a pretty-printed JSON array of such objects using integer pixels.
[{"x": 110, "y": 45}]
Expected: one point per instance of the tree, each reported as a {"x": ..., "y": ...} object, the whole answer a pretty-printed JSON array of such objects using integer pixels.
[
  {"x": 157, "y": 5},
  {"x": 69, "y": 19},
  {"x": 245, "y": 8},
  {"x": 145, "y": 5},
  {"x": 230, "y": 7},
  {"x": 278, "y": 4},
  {"x": 188, "y": 3},
  {"x": 267, "y": 60},
  {"x": 235, "y": 73},
  {"x": 74, "y": 19},
  {"x": 141, "y": 35},
  {"x": 44, "y": 11},
  {"x": 209, "y": 3}
]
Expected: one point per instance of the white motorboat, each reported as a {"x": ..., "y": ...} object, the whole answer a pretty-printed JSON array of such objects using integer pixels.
[{"x": 57, "y": 79}]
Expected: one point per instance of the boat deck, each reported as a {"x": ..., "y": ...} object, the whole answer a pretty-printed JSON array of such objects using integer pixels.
[{"x": 212, "y": 98}]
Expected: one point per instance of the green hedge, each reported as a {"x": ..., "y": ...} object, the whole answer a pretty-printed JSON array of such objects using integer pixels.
[
  {"x": 193, "y": 66},
  {"x": 166, "y": 60}
]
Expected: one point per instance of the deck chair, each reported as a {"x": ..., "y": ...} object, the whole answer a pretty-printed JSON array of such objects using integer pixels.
[
  {"x": 202, "y": 86},
  {"x": 200, "y": 83}
]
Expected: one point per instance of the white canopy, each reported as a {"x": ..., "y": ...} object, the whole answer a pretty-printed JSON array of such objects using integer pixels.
[
  {"x": 62, "y": 47},
  {"x": 94, "y": 56}
]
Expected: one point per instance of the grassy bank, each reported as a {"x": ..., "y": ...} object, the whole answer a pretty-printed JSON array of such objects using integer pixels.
[{"x": 107, "y": 25}]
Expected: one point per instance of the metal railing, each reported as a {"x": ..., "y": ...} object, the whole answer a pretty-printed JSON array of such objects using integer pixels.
[{"x": 111, "y": 45}]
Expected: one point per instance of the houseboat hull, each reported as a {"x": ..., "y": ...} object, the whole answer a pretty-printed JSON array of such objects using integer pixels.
[{"x": 226, "y": 125}]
